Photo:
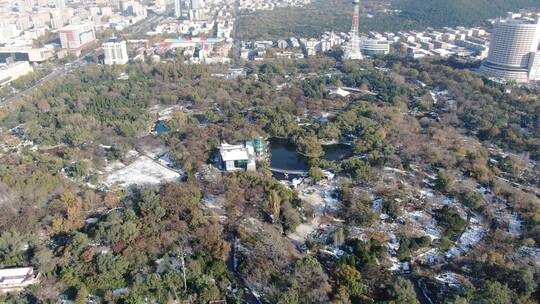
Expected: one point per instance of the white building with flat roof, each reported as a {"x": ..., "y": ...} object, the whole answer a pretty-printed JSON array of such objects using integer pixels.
[
  {"x": 13, "y": 279},
  {"x": 513, "y": 53},
  {"x": 115, "y": 51},
  {"x": 9, "y": 73},
  {"x": 26, "y": 53},
  {"x": 238, "y": 157}
]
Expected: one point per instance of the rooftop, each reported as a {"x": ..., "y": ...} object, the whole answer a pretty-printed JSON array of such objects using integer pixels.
[{"x": 234, "y": 152}]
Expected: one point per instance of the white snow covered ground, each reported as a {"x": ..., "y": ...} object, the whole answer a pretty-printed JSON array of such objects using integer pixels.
[
  {"x": 143, "y": 171},
  {"x": 473, "y": 235}
]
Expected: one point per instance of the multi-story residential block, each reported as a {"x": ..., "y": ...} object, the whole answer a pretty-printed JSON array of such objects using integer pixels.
[
  {"x": 76, "y": 37},
  {"x": 115, "y": 51}
]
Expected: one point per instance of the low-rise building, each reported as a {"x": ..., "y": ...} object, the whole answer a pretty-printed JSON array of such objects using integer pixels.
[
  {"x": 13, "y": 279},
  {"x": 238, "y": 157},
  {"x": 10, "y": 72},
  {"x": 242, "y": 157},
  {"x": 26, "y": 53}
]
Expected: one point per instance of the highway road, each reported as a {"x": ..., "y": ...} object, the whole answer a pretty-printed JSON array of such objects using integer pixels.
[
  {"x": 145, "y": 24},
  {"x": 58, "y": 72},
  {"x": 236, "y": 29}
]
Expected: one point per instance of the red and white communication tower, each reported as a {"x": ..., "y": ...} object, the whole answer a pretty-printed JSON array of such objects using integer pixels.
[{"x": 353, "y": 51}]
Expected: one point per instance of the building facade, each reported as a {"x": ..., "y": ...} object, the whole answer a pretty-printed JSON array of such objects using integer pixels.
[
  {"x": 513, "y": 53},
  {"x": 61, "y": 4},
  {"x": 237, "y": 157},
  {"x": 115, "y": 52},
  {"x": 178, "y": 9},
  {"x": 375, "y": 47},
  {"x": 76, "y": 37}
]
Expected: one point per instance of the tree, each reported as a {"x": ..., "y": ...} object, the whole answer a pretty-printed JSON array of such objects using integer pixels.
[
  {"x": 349, "y": 277},
  {"x": 309, "y": 146},
  {"x": 443, "y": 182},
  {"x": 150, "y": 205},
  {"x": 274, "y": 201},
  {"x": 402, "y": 292},
  {"x": 473, "y": 199},
  {"x": 310, "y": 280},
  {"x": 339, "y": 237},
  {"x": 82, "y": 295},
  {"x": 357, "y": 168},
  {"x": 316, "y": 174},
  {"x": 43, "y": 259},
  {"x": 452, "y": 222},
  {"x": 13, "y": 249},
  {"x": 289, "y": 297},
  {"x": 495, "y": 293},
  {"x": 459, "y": 300},
  {"x": 111, "y": 270},
  {"x": 81, "y": 168}
]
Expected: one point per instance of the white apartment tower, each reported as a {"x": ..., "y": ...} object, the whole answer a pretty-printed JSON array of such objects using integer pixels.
[
  {"x": 195, "y": 4},
  {"x": 60, "y": 4},
  {"x": 115, "y": 52},
  {"x": 178, "y": 9},
  {"x": 160, "y": 4},
  {"x": 513, "y": 53}
]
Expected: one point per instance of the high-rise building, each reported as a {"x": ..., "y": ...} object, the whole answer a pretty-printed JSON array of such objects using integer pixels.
[
  {"x": 61, "y": 4},
  {"x": 178, "y": 9},
  {"x": 115, "y": 51},
  {"x": 353, "y": 51},
  {"x": 513, "y": 53},
  {"x": 42, "y": 3},
  {"x": 75, "y": 37},
  {"x": 24, "y": 6},
  {"x": 196, "y": 10},
  {"x": 195, "y": 4},
  {"x": 160, "y": 4}
]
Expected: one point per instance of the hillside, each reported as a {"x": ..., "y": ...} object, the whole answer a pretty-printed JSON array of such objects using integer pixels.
[
  {"x": 321, "y": 16},
  {"x": 439, "y": 13}
]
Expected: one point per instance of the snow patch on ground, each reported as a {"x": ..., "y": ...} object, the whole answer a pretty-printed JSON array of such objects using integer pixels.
[
  {"x": 143, "y": 171},
  {"x": 155, "y": 151},
  {"x": 113, "y": 166},
  {"x": 325, "y": 205},
  {"x": 472, "y": 236},
  {"x": 514, "y": 225},
  {"x": 532, "y": 253},
  {"x": 423, "y": 223},
  {"x": 450, "y": 278}
]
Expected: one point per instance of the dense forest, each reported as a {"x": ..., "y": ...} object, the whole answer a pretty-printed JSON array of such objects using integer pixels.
[
  {"x": 440, "y": 13},
  {"x": 322, "y": 16},
  {"x": 425, "y": 127}
]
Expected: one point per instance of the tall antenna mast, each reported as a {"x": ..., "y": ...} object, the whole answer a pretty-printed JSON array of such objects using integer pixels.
[{"x": 353, "y": 51}]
